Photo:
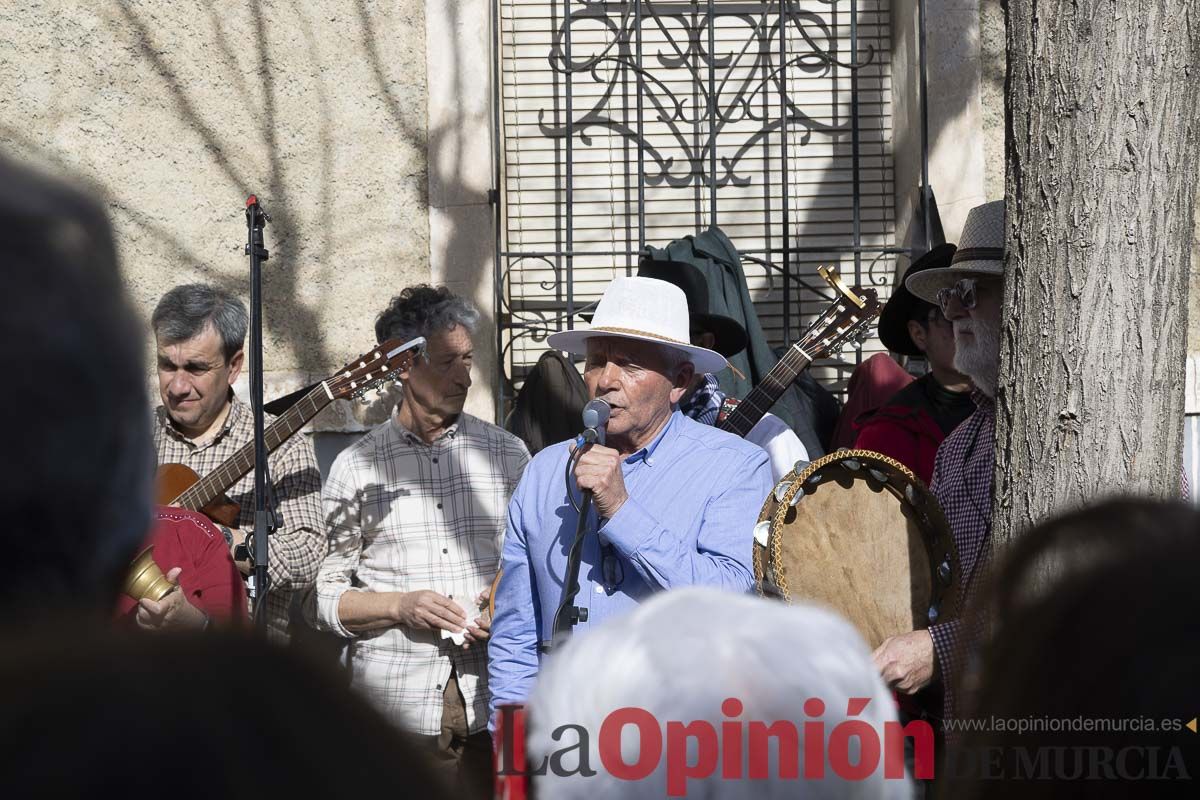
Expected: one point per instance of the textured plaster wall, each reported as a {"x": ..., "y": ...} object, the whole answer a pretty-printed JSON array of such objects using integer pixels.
[
  {"x": 461, "y": 221},
  {"x": 955, "y": 113},
  {"x": 992, "y": 63},
  {"x": 174, "y": 112}
]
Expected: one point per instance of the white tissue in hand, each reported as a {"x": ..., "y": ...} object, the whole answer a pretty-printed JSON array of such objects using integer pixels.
[{"x": 461, "y": 636}]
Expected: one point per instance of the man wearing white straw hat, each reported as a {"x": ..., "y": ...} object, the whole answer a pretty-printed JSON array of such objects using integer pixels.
[
  {"x": 970, "y": 293},
  {"x": 675, "y": 501}
]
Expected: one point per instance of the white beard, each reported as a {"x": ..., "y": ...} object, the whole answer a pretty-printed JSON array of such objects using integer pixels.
[{"x": 978, "y": 356}]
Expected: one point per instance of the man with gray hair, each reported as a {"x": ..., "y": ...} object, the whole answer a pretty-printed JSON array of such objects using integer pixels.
[
  {"x": 699, "y": 693},
  {"x": 200, "y": 331},
  {"x": 415, "y": 514}
]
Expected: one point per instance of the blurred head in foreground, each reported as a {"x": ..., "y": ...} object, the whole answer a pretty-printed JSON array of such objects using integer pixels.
[
  {"x": 1093, "y": 658},
  {"x": 700, "y": 676},
  {"x": 75, "y": 487},
  {"x": 103, "y": 714}
]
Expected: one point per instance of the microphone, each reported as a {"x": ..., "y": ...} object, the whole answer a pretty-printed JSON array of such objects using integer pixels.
[{"x": 595, "y": 421}]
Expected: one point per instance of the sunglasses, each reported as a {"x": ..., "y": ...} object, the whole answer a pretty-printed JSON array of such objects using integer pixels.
[{"x": 966, "y": 291}]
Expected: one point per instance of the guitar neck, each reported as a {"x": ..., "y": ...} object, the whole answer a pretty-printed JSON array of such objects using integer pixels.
[
  {"x": 755, "y": 405},
  {"x": 238, "y": 466}
]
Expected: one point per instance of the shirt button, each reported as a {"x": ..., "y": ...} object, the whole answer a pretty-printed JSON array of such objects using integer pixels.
[
  {"x": 439, "y": 505},
  {"x": 439, "y": 686},
  {"x": 599, "y": 590},
  {"x": 444, "y": 550},
  {"x": 435, "y": 461}
]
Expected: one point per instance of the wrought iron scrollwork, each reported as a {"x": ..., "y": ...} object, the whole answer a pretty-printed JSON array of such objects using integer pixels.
[{"x": 695, "y": 128}]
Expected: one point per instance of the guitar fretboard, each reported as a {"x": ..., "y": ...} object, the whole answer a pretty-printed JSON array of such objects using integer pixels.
[
  {"x": 237, "y": 466},
  {"x": 755, "y": 405}
]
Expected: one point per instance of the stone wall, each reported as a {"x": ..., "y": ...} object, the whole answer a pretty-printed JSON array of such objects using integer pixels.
[{"x": 175, "y": 112}]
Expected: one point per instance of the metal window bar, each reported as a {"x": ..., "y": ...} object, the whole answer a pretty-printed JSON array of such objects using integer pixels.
[{"x": 784, "y": 38}]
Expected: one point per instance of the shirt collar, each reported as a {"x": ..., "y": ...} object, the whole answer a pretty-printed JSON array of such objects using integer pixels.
[
  {"x": 232, "y": 418},
  {"x": 647, "y": 453},
  {"x": 412, "y": 438}
]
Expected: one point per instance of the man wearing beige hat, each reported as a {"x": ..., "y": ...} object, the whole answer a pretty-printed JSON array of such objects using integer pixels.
[
  {"x": 970, "y": 294},
  {"x": 675, "y": 501}
]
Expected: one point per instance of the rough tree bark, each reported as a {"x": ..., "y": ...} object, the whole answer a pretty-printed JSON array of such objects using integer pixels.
[{"x": 1102, "y": 157}]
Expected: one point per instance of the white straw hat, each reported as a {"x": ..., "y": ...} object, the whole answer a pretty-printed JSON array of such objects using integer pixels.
[
  {"x": 980, "y": 252},
  {"x": 644, "y": 309}
]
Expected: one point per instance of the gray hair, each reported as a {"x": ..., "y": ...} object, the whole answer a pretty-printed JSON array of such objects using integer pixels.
[
  {"x": 185, "y": 311},
  {"x": 424, "y": 310},
  {"x": 679, "y": 657},
  {"x": 674, "y": 358}
]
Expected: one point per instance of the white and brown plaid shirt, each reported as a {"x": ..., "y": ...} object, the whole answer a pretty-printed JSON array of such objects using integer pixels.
[
  {"x": 403, "y": 516},
  {"x": 298, "y": 545}
]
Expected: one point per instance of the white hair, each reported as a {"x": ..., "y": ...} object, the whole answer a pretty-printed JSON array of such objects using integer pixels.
[
  {"x": 679, "y": 657},
  {"x": 978, "y": 356}
]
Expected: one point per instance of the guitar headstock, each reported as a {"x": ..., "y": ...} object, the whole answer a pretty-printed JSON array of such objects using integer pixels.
[
  {"x": 371, "y": 369},
  {"x": 850, "y": 317}
]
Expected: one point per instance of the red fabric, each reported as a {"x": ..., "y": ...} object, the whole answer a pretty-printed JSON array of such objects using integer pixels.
[
  {"x": 209, "y": 578},
  {"x": 904, "y": 433},
  {"x": 872, "y": 384}
]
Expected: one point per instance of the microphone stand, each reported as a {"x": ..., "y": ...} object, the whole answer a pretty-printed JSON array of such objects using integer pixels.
[
  {"x": 264, "y": 519},
  {"x": 568, "y": 614}
]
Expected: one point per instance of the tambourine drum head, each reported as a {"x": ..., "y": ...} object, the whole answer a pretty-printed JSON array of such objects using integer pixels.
[{"x": 852, "y": 543}]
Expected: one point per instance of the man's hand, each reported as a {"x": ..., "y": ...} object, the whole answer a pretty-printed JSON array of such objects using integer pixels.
[
  {"x": 906, "y": 662},
  {"x": 243, "y": 566},
  {"x": 426, "y": 610},
  {"x": 482, "y": 629},
  {"x": 599, "y": 469},
  {"x": 173, "y": 612}
]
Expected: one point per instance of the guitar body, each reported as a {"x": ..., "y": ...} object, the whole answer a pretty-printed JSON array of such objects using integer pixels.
[{"x": 172, "y": 480}]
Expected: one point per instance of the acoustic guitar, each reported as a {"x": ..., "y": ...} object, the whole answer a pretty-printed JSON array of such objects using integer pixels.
[
  {"x": 847, "y": 318},
  {"x": 179, "y": 485}
]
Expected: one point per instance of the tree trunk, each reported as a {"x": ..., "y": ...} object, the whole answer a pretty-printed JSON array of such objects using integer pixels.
[{"x": 1102, "y": 157}]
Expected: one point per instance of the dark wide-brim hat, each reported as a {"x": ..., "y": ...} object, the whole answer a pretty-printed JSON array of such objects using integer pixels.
[
  {"x": 893, "y": 321},
  {"x": 730, "y": 335}
]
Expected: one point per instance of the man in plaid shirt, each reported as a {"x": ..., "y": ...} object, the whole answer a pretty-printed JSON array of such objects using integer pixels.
[
  {"x": 970, "y": 293},
  {"x": 200, "y": 332},
  {"x": 416, "y": 512}
]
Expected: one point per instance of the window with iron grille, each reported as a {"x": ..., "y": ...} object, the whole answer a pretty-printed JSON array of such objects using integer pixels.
[{"x": 622, "y": 125}]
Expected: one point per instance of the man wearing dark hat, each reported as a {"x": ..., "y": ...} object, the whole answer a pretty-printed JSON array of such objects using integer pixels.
[
  {"x": 910, "y": 426},
  {"x": 704, "y": 400}
]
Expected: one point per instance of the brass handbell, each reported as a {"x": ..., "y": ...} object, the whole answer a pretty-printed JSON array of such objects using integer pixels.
[{"x": 145, "y": 579}]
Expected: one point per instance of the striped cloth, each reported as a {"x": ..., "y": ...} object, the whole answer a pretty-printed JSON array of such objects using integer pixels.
[
  {"x": 403, "y": 516},
  {"x": 298, "y": 545}
]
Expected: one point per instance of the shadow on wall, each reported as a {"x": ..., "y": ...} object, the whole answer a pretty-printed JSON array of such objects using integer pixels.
[{"x": 319, "y": 109}]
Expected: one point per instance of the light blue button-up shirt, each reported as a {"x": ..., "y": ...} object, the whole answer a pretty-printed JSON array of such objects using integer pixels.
[{"x": 694, "y": 494}]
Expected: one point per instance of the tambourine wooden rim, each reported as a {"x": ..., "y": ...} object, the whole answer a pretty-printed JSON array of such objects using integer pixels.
[{"x": 889, "y": 474}]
